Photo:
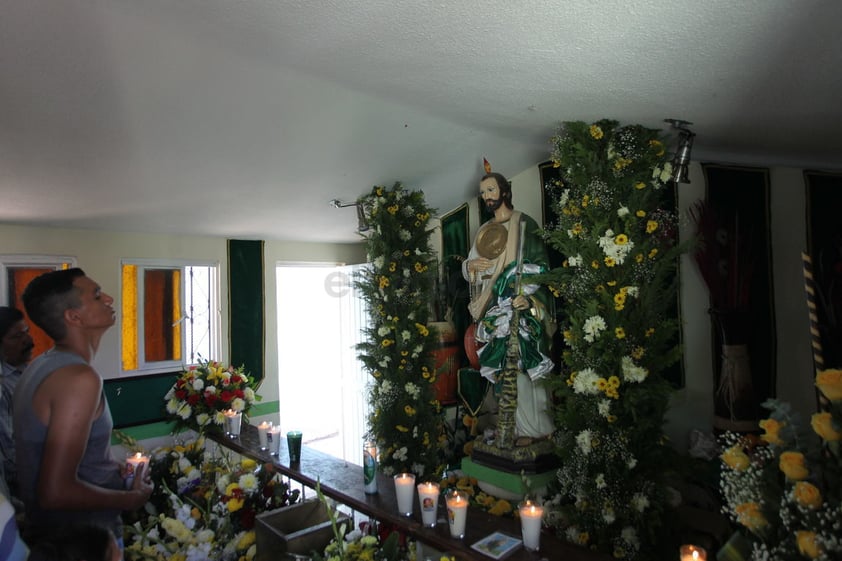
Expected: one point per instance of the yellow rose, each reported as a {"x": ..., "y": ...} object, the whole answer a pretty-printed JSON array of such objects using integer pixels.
[
  {"x": 822, "y": 424},
  {"x": 750, "y": 516},
  {"x": 829, "y": 383},
  {"x": 807, "y": 544},
  {"x": 735, "y": 458},
  {"x": 235, "y": 504},
  {"x": 807, "y": 495},
  {"x": 773, "y": 429},
  {"x": 793, "y": 465}
]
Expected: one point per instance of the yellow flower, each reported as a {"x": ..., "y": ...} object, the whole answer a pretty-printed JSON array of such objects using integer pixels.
[
  {"x": 807, "y": 544},
  {"x": 750, "y": 516},
  {"x": 595, "y": 264},
  {"x": 384, "y": 282},
  {"x": 822, "y": 424},
  {"x": 735, "y": 458},
  {"x": 649, "y": 332},
  {"x": 793, "y": 465},
  {"x": 392, "y": 209},
  {"x": 402, "y": 428},
  {"x": 613, "y": 382},
  {"x": 640, "y": 185},
  {"x": 610, "y": 262},
  {"x": 419, "y": 268},
  {"x": 653, "y": 253},
  {"x": 247, "y": 539},
  {"x": 651, "y": 226},
  {"x": 386, "y": 342},
  {"x": 235, "y": 504},
  {"x": 658, "y": 146},
  {"x": 500, "y": 508},
  {"x": 621, "y": 239},
  {"x": 640, "y": 213},
  {"x": 773, "y": 429},
  {"x": 620, "y": 333},
  {"x": 829, "y": 383},
  {"x": 596, "y": 132},
  {"x": 393, "y": 267},
  {"x": 422, "y": 329},
  {"x": 409, "y": 410},
  {"x": 807, "y": 495},
  {"x": 638, "y": 352},
  {"x": 638, "y": 258}
]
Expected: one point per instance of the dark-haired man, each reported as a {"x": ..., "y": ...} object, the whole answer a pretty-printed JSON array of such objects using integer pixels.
[
  {"x": 15, "y": 352},
  {"x": 62, "y": 421}
]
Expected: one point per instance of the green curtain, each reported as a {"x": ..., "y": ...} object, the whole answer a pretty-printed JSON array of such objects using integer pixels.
[{"x": 246, "y": 325}]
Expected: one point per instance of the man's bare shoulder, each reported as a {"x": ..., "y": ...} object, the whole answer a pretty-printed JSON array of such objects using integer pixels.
[{"x": 73, "y": 378}]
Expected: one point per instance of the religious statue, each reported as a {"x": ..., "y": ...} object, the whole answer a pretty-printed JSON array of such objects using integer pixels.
[{"x": 514, "y": 319}]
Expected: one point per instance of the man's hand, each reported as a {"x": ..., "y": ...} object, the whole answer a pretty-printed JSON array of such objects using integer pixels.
[
  {"x": 142, "y": 487},
  {"x": 479, "y": 264},
  {"x": 521, "y": 302}
]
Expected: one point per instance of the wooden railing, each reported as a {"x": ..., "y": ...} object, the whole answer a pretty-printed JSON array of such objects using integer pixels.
[{"x": 343, "y": 482}]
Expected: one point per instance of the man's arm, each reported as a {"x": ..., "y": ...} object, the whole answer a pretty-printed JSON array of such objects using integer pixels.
[{"x": 73, "y": 398}]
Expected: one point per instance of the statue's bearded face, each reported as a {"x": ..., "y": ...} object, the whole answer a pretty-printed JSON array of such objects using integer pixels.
[{"x": 490, "y": 193}]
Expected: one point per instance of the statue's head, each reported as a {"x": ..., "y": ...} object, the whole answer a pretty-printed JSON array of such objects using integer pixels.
[{"x": 503, "y": 186}]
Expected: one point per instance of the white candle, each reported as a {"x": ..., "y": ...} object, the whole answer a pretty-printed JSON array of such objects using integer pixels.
[
  {"x": 693, "y": 553},
  {"x": 530, "y": 524},
  {"x": 233, "y": 419},
  {"x": 428, "y": 498},
  {"x": 370, "y": 467},
  {"x": 133, "y": 462},
  {"x": 405, "y": 491},
  {"x": 262, "y": 432},
  {"x": 457, "y": 512},
  {"x": 273, "y": 437}
]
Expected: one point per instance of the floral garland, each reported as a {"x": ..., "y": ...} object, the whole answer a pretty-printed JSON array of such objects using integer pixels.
[
  {"x": 616, "y": 284},
  {"x": 786, "y": 491},
  {"x": 202, "y": 392},
  {"x": 405, "y": 417},
  {"x": 204, "y": 505}
]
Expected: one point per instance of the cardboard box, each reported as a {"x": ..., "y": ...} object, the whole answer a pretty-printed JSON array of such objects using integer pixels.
[{"x": 299, "y": 529}]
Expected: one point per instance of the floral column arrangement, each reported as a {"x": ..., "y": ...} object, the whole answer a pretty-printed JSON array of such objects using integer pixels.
[
  {"x": 398, "y": 286},
  {"x": 618, "y": 288}
]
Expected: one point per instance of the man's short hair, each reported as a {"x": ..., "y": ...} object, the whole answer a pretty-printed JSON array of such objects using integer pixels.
[
  {"x": 48, "y": 296},
  {"x": 8, "y": 318},
  {"x": 504, "y": 185}
]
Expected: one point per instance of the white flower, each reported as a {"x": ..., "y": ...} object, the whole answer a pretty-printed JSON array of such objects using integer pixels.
[
  {"x": 604, "y": 407},
  {"x": 575, "y": 261},
  {"x": 184, "y": 465},
  {"x": 565, "y": 197},
  {"x": 406, "y": 335},
  {"x": 666, "y": 175},
  {"x": 249, "y": 393},
  {"x": 400, "y": 454},
  {"x": 572, "y": 534},
  {"x": 383, "y": 330},
  {"x": 211, "y": 390},
  {"x": 219, "y": 418},
  {"x": 585, "y": 382},
  {"x": 184, "y": 411},
  {"x": 238, "y": 404},
  {"x": 378, "y": 262},
  {"x": 222, "y": 483},
  {"x": 608, "y": 515},
  {"x": 172, "y": 406},
  {"x": 633, "y": 291},
  {"x": 248, "y": 482},
  {"x": 629, "y": 535},
  {"x": 622, "y": 211},
  {"x": 583, "y": 440},
  {"x": 599, "y": 480},
  {"x": 412, "y": 390},
  {"x": 594, "y": 325},
  {"x": 640, "y": 502},
  {"x": 198, "y": 384},
  {"x": 405, "y": 235},
  {"x": 632, "y": 372},
  {"x": 202, "y": 419}
]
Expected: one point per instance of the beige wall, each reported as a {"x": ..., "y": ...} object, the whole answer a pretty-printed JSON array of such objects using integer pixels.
[{"x": 99, "y": 254}]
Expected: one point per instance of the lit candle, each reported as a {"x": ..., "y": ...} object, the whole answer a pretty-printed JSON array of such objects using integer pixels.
[
  {"x": 530, "y": 524},
  {"x": 405, "y": 491},
  {"x": 233, "y": 419},
  {"x": 428, "y": 498},
  {"x": 273, "y": 437},
  {"x": 370, "y": 467},
  {"x": 457, "y": 512},
  {"x": 693, "y": 553},
  {"x": 133, "y": 462},
  {"x": 262, "y": 433}
]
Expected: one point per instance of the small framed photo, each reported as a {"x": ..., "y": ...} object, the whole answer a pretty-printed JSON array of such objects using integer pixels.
[{"x": 497, "y": 545}]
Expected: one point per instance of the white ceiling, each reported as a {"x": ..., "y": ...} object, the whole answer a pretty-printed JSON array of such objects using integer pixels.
[{"x": 244, "y": 118}]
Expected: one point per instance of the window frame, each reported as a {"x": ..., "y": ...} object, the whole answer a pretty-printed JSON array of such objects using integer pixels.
[
  {"x": 8, "y": 260},
  {"x": 214, "y": 316}
]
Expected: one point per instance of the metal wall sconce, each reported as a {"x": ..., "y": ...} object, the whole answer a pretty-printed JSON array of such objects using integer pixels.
[
  {"x": 362, "y": 223},
  {"x": 681, "y": 160}
]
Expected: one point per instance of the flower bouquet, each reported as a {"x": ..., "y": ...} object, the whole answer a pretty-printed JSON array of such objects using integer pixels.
[
  {"x": 202, "y": 392},
  {"x": 784, "y": 491}
]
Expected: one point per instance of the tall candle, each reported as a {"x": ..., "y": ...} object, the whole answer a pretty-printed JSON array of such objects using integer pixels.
[
  {"x": 530, "y": 524},
  {"x": 428, "y": 498},
  {"x": 693, "y": 553},
  {"x": 457, "y": 513},
  {"x": 273, "y": 437},
  {"x": 133, "y": 462},
  {"x": 233, "y": 419},
  {"x": 262, "y": 433},
  {"x": 405, "y": 491},
  {"x": 370, "y": 467}
]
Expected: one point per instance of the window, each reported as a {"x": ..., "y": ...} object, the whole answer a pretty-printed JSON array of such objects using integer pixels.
[
  {"x": 16, "y": 271},
  {"x": 169, "y": 314}
]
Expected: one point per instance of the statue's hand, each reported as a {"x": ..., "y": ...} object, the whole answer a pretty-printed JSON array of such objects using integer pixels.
[
  {"x": 521, "y": 302},
  {"x": 479, "y": 264}
]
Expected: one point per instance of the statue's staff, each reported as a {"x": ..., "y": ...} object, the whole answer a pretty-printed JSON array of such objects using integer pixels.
[{"x": 507, "y": 404}]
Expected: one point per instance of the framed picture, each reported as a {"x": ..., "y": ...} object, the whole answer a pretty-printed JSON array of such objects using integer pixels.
[{"x": 497, "y": 545}]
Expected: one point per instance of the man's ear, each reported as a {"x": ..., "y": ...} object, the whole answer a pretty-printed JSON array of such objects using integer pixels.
[{"x": 72, "y": 316}]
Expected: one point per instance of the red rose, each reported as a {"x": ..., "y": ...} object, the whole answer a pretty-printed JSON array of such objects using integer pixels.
[
  {"x": 226, "y": 396},
  {"x": 240, "y": 393},
  {"x": 193, "y": 399},
  {"x": 181, "y": 394},
  {"x": 210, "y": 399}
]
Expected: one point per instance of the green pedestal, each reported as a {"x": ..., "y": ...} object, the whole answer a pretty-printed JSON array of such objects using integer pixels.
[{"x": 506, "y": 485}]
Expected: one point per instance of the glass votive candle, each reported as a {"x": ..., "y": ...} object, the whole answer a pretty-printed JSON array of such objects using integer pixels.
[
  {"x": 428, "y": 498},
  {"x": 294, "y": 446},
  {"x": 233, "y": 420},
  {"x": 690, "y": 552},
  {"x": 457, "y": 513},
  {"x": 133, "y": 462},
  {"x": 273, "y": 437},
  {"x": 263, "y": 434},
  {"x": 405, "y": 492},
  {"x": 530, "y": 524}
]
